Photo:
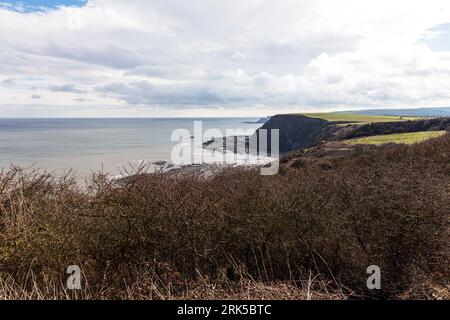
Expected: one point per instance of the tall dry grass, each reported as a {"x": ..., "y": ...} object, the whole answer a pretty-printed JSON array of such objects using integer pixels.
[{"x": 305, "y": 233}]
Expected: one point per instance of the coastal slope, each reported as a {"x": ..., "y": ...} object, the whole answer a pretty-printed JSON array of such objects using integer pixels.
[{"x": 302, "y": 131}]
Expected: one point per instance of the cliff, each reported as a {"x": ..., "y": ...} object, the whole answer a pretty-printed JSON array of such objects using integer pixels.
[{"x": 299, "y": 132}]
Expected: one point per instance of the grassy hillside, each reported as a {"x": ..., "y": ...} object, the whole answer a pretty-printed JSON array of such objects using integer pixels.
[
  {"x": 356, "y": 118},
  {"x": 418, "y": 112},
  {"x": 408, "y": 138}
]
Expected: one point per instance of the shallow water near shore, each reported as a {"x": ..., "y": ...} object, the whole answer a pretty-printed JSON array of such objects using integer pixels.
[{"x": 88, "y": 145}]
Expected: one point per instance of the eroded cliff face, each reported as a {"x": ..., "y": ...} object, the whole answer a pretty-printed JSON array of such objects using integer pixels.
[{"x": 299, "y": 132}]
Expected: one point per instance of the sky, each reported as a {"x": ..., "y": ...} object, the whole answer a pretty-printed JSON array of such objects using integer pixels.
[{"x": 158, "y": 58}]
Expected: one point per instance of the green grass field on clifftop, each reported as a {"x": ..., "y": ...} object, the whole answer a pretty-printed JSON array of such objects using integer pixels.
[
  {"x": 406, "y": 138},
  {"x": 356, "y": 118}
]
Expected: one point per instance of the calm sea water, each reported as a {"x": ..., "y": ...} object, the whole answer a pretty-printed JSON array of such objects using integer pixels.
[{"x": 87, "y": 145}]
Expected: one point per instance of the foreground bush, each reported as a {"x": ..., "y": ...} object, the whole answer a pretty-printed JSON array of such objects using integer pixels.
[{"x": 311, "y": 229}]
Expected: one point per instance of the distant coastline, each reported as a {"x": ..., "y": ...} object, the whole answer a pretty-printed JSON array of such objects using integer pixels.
[{"x": 260, "y": 121}]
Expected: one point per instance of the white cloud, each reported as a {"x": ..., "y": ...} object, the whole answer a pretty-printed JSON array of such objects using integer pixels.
[{"x": 162, "y": 57}]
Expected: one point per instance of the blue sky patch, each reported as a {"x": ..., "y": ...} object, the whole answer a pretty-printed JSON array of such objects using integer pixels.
[
  {"x": 38, "y": 5},
  {"x": 442, "y": 41}
]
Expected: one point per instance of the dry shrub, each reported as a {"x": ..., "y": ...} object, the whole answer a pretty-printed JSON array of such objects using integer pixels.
[{"x": 236, "y": 234}]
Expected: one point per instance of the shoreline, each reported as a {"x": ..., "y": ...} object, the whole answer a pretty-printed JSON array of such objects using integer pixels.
[{"x": 217, "y": 148}]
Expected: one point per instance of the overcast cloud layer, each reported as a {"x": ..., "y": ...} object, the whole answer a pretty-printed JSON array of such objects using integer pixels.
[{"x": 223, "y": 57}]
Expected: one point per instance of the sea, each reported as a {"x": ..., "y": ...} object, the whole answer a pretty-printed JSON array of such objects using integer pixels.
[{"x": 90, "y": 145}]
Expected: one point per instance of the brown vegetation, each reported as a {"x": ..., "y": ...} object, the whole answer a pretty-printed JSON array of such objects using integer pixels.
[{"x": 308, "y": 232}]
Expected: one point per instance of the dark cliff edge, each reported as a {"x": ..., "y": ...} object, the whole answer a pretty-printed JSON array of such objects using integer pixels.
[{"x": 299, "y": 132}]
